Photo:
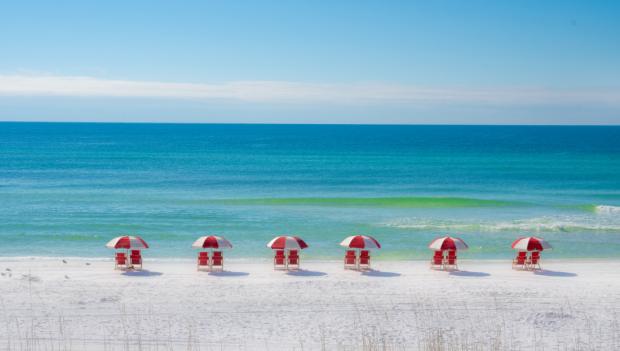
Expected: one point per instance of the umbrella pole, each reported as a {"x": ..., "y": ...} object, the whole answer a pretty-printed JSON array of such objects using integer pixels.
[
  {"x": 286, "y": 253},
  {"x": 211, "y": 261}
]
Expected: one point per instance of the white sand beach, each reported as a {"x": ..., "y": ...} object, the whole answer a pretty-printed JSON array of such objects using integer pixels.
[{"x": 51, "y": 305}]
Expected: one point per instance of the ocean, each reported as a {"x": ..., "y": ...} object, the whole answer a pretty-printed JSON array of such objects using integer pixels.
[{"x": 67, "y": 188}]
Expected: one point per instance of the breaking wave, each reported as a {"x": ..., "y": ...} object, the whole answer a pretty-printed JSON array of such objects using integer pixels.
[
  {"x": 606, "y": 209},
  {"x": 541, "y": 224}
]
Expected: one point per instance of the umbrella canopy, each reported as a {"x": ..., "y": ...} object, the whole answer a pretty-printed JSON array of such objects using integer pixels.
[
  {"x": 212, "y": 242},
  {"x": 448, "y": 243},
  {"x": 361, "y": 242},
  {"x": 286, "y": 242},
  {"x": 531, "y": 243},
  {"x": 127, "y": 242}
]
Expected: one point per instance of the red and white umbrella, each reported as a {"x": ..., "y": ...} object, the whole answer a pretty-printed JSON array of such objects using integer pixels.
[
  {"x": 286, "y": 242},
  {"x": 448, "y": 243},
  {"x": 361, "y": 242},
  {"x": 531, "y": 243},
  {"x": 212, "y": 242},
  {"x": 127, "y": 242}
]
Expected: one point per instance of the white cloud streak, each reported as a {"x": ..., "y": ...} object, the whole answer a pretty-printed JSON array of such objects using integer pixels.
[{"x": 297, "y": 92}]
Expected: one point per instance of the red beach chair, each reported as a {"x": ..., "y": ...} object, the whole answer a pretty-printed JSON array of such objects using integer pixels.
[
  {"x": 293, "y": 260},
  {"x": 136, "y": 259},
  {"x": 534, "y": 261},
  {"x": 519, "y": 261},
  {"x": 437, "y": 260},
  {"x": 203, "y": 261},
  {"x": 350, "y": 260},
  {"x": 279, "y": 261},
  {"x": 217, "y": 261},
  {"x": 364, "y": 259},
  {"x": 451, "y": 260},
  {"x": 120, "y": 261}
]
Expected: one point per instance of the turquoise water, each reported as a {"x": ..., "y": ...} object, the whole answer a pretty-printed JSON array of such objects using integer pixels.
[{"x": 67, "y": 188}]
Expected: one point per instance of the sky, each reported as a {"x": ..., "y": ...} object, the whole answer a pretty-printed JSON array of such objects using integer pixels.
[{"x": 392, "y": 62}]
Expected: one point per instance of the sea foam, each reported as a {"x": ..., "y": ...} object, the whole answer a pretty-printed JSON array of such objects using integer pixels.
[
  {"x": 539, "y": 224},
  {"x": 607, "y": 209}
]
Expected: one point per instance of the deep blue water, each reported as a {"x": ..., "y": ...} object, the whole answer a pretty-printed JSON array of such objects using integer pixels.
[{"x": 66, "y": 188}]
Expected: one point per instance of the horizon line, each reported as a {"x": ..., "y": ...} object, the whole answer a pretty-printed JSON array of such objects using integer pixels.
[{"x": 315, "y": 124}]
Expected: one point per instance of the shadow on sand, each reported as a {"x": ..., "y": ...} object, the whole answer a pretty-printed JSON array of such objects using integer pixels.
[
  {"x": 555, "y": 273},
  {"x": 144, "y": 273},
  {"x": 229, "y": 274},
  {"x": 305, "y": 273},
  {"x": 469, "y": 274},
  {"x": 373, "y": 273}
]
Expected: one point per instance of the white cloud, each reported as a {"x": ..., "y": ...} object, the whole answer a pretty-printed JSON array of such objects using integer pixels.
[{"x": 297, "y": 92}]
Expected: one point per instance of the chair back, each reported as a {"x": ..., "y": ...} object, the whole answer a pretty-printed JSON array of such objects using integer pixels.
[
  {"x": 451, "y": 259},
  {"x": 365, "y": 253},
  {"x": 135, "y": 252},
  {"x": 520, "y": 259},
  {"x": 293, "y": 253},
  {"x": 438, "y": 254},
  {"x": 136, "y": 259},
  {"x": 536, "y": 254},
  {"x": 203, "y": 260},
  {"x": 364, "y": 260},
  {"x": 120, "y": 254},
  {"x": 279, "y": 258},
  {"x": 217, "y": 254},
  {"x": 203, "y": 254},
  {"x": 438, "y": 260},
  {"x": 452, "y": 253},
  {"x": 350, "y": 257},
  {"x": 121, "y": 259},
  {"x": 294, "y": 260},
  {"x": 217, "y": 260}
]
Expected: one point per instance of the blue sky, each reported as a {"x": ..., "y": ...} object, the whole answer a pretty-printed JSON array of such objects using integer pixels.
[{"x": 547, "y": 62}]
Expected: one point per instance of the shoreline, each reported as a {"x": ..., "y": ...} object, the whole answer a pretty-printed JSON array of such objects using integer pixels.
[{"x": 269, "y": 259}]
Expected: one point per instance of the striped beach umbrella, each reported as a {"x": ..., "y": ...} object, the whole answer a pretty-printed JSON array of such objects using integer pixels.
[
  {"x": 531, "y": 243},
  {"x": 212, "y": 242},
  {"x": 361, "y": 242},
  {"x": 287, "y": 242},
  {"x": 448, "y": 243},
  {"x": 127, "y": 242}
]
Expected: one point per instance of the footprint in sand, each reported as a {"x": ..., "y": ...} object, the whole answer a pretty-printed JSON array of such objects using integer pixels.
[
  {"x": 31, "y": 278},
  {"x": 109, "y": 299}
]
